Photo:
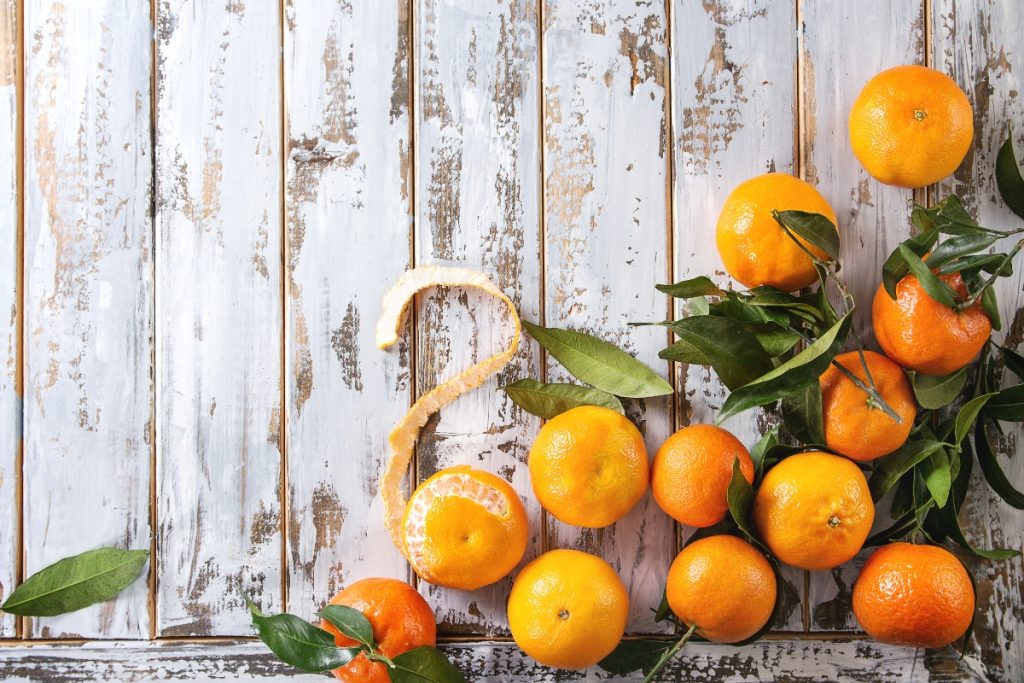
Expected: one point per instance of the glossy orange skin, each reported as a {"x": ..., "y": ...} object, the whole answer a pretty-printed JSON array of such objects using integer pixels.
[
  {"x": 856, "y": 428},
  {"x": 692, "y": 471},
  {"x": 911, "y": 126},
  {"x": 923, "y": 335},
  {"x": 401, "y": 620},
  {"x": 589, "y": 466},
  {"x": 724, "y": 585},
  {"x": 914, "y": 595},
  {"x": 813, "y": 510},
  {"x": 754, "y": 248}
]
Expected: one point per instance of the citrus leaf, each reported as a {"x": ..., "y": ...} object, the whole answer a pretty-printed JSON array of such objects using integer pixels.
[
  {"x": 76, "y": 582},
  {"x": 773, "y": 339},
  {"x": 1014, "y": 362},
  {"x": 760, "y": 450},
  {"x": 933, "y": 286},
  {"x": 814, "y": 229},
  {"x": 1007, "y": 405},
  {"x": 791, "y": 376},
  {"x": 935, "y": 392},
  {"x": 351, "y": 622},
  {"x": 991, "y": 308},
  {"x": 950, "y": 217},
  {"x": 599, "y": 363},
  {"x": 967, "y": 415},
  {"x": 958, "y": 246},
  {"x": 902, "y": 526},
  {"x": 895, "y": 267},
  {"x": 664, "y": 611},
  {"x": 630, "y": 655},
  {"x": 787, "y": 302},
  {"x": 937, "y": 476},
  {"x": 994, "y": 474},
  {"x": 548, "y": 400},
  {"x": 740, "y": 496},
  {"x": 727, "y": 345},
  {"x": 989, "y": 263},
  {"x": 299, "y": 643},
  {"x": 694, "y": 287},
  {"x": 424, "y": 664},
  {"x": 1008, "y": 177},
  {"x": 802, "y": 414},
  {"x": 893, "y": 466}
]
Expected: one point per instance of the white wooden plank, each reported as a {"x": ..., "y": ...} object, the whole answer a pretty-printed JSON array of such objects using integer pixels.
[
  {"x": 978, "y": 44},
  {"x": 873, "y": 218},
  {"x": 88, "y": 313},
  {"x": 477, "y": 202},
  {"x": 348, "y": 207},
  {"x": 768, "y": 660},
  {"x": 219, "y": 330},
  {"x": 733, "y": 117},
  {"x": 10, "y": 401},
  {"x": 606, "y": 213}
]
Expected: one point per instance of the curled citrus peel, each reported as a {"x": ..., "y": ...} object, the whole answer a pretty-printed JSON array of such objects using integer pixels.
[{"x": 403, "y": 437}]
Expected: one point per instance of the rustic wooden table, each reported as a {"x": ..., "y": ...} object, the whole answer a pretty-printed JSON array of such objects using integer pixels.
[{"x": 203, "y": 202}]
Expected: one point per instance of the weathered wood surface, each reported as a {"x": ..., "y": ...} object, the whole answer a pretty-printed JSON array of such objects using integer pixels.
[
  {"x": 348, "y": 205},
  {"x": 87, "y": 295},
  {"x": 978, "y": 44},
  {"x": 10, "y": 401},
  {"x": 873, "y": 218},
  {"x": 733, "y": 117},
  {"x": 219, "y": 315},
  {"x": 477, "y": 192}
]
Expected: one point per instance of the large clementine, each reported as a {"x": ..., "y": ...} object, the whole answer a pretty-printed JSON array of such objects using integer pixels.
[
  {"x": 813, "y": 510},
  {"x": 724, "y": 586},
  {"x": 855, "y": 424},
  {"x": 588, "y": 466},
  {"x": 401, "y": 620},
  {"x": 691, "y": 474},
  {"x": 754, "y": 248},
  {"x": 924, "y": 335},
  {"x": 916, "y": 595},
  {"x": 911, "y": 126}
]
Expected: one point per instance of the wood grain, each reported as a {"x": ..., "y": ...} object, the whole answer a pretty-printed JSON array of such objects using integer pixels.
[
  {"x": 10, "y": 401},
  {"x": 978, "y": 44},
  {"x": 733, "y": 117},
  {"x": 219, "y": 312},
  {"x": 348, "y": 224},
  {"x": 606, "y": 212},
  {"x": 88, "y": 290},
  {"x": 873, "y": 218},
  {"x": 477, "y": 203}
]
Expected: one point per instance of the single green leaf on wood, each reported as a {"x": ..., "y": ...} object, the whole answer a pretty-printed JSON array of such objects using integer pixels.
[
  {"x": 727, "y": 345},
  {"x": 895, "y": 267},
  {"x": 937, "y": 475},
  {"x": 936, "y": 392},
  {"x": 299, "y": 643},
  {"x": 893, "y": 466},
  {"x": 1007, "y": 405},
  {"x": 351, "y": 622},
  {"x": 548, "y": 400},
  {"x": 814, "y": 229},
  {"x": 424, "y": 664},
  {"x": 802, "y": 414},
  {"x": 994, "y": 475},
  {"x": 933, "y": 286},
  {"x": 967, "y": 414},
  {"x": 75, "y": 582},
  {"x": 1008, "y": 177},
  {"x": 694, "y": 287},
  {"x": 599, "y": 363},
  {"x": 631, "y": 655}
]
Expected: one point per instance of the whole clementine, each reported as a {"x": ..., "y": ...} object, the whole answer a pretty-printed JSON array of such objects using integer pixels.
[
  {"x": 924, "y": 335},
  {"x": 691, "y": 474},
  {"x": 916, "y": 595},
  {"x": 855, "y": 424},
  {"x": 754, "y": 248},
  {"x": 401, "y": 620},
  {"x": 724, "y": 586},
  {"x": 589, "y": 466},
  {"x": 813, "y": 510},
  {"x": 911, "y": 126}
]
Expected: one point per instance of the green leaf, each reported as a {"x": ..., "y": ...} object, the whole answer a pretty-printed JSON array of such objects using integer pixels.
[
  {"x": 773, "y": 339},
  {"x": 740, "y": 497},
  {"x": 952, "y": 218},
  {"x": 725, "y": 344},
  {"x": 902, "y": 526},
  {"x": 933, "y": 286},
  {"x": 794, "y": 374},
  {"x": 1014, "y": 362},
  {"x": 760, "y": 450},
  {"x": 989, "y": 263},
  {"x": 1008, "y": 177},
  {"x": 1007, "y": 405},
  {"x": 994, "y": 474},
  {"x": 789, "y": 303},
  {"x": 937, "y": 475},
  {"x": 548, "y": 400},
  {"x": 814, "y": 229},
  {"x": 76, "y": 582},
  {"x": 694, "y": 287},
  {"x": 935, "y": 392},
  {"x": 895, "y": 267},
  {"x": 991, "y": 308},
  {"x": 599, "y": 364},
  {"x": 351, "y": 622},
  {"x": 630, "y": 655},
  {"x": 958, "y": 246},
  {"x": 802, "y": 413},
  {"x": 893, "y": 466},
  {"x": 424, "y": 664},
  {"x": 664, "y": 611},
  {"x": 968, "y": 414},
  {"x": 299, "y": 643}
]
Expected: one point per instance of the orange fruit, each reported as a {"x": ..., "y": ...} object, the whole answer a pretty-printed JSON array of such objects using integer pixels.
[
  {"x": 911, "y": 126},
  {"x": 916, "y": 595},
  {"x": 401, "y": 620},
  {"x": 588, "y": 466},
  {"x": 754, "y": 248},
  {"x": 724, "y": 586},
  {"x": 464, "y": 528},
  {"x": 813, "y": 510},
  {"x": 692, "y": 471},
  {"x": 855, "y": 424},
  {"x": 568, "y": 609},
  {"x": 923, "y": 335}
]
